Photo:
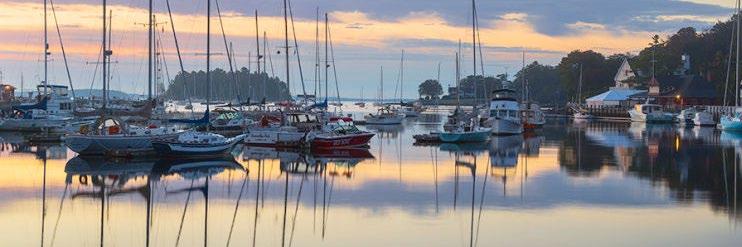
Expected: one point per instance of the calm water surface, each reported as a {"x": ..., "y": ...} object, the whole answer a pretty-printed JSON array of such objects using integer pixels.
[{"x": 605, "y": 184}]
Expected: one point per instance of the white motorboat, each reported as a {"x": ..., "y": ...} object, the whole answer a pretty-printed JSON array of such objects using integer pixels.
[
  {"x": 384, "y": 116},
  {"x": 504, "y": 118},
  {"x": 582, "y": 116},
  {"x": 650, "y": 113},
  {"x": 292, "y": 130}
]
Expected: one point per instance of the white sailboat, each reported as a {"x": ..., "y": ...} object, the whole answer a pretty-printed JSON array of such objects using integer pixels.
[
  {"x": 732, "y": 121},
  {"x": 385, "y": 115}
]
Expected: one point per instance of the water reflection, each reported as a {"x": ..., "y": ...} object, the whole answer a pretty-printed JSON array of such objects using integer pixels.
[{"x": 467, "y": 194}]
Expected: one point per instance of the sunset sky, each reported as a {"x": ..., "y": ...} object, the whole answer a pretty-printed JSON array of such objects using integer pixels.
[{"x": 366, "y": 35}]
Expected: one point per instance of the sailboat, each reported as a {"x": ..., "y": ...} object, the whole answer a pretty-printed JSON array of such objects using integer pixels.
[
  {"x": 533, "y": 117},
  {"x": 579, "y": 113},
  {"x": 733, "y": 121},
  {"x": 464, "y": 131},
  {"x": 193, "y": 142},
  {"x": 289, "y": 129},
  {"x": 385, "y": 115},
  {"x": 109, "y": 135},
  {"x": 361, "y": 103}
]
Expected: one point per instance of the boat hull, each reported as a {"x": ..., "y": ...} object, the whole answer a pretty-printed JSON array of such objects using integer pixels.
[
  {"x": 476, "y": 136},
  {"x": 731, "y": 123},
  {"x": 101, "y": 145},
  {"x": 341, "y": 141},
  {"x": 505, "y": 127},
  {"x": 180, "y": 149},
  {"x": 276, "y": 138}
]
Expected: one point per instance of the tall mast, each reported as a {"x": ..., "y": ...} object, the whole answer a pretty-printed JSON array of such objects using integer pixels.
[
  {"x": 257, "y": 39},
  {"x": 736, "y": 65},
  {"x": 401, "y": 78},
  {"x": 208, "y": 60},
  {"x": 286, "y": 44},
  {"x": 381, "y": 85},
  {"x": 523, "y": 80},
  {"x": 265, "y": 44},
  {"x": 316, "y": 55},
  {"x": 458, "y": 87},
  {"x": 46, "y": 47},
  {"x": 474, "y": 37},
  {"x": 579, "y": 93},
  {"x": 150, "y": 32},
  {"x": 105, "y": 56},
  {"x": 327, "y": 65}
]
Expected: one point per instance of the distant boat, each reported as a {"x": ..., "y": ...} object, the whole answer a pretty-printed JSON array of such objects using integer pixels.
[{"x": 384, "y": 116}]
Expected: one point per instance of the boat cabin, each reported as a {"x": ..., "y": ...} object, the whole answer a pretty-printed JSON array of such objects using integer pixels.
[{"x": 648, "y": 108}]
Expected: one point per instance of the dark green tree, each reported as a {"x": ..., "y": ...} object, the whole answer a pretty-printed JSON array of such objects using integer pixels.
[
  {"x": 250, "y": 85},
  {"x": 430, "y": 88},
  {"x": 543, "y": 84}
]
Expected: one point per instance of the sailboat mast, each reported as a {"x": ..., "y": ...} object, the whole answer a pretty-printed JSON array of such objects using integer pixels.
[
  {"x": 105, "y": 56},
  {"x": 208, "y": 60},
  {"x": 286, "y": 44},
  {"x": 401, "y": 78},
  {"x": 458, "y": 87},
  {"x": 523, "y": 80},
  {"x": 46, "y": 47},
  {"x": 579, "y": 92},
  {"x": 381, "y": 85},
  {"x": 736, "y": 65},
  {"x": 150, "y": 32},
  {"x": 327, "y": 65},
  {"x": 257, "y": 39},
  {"x": 474, "y": 36},
  {"x": 316, "y": 56}
]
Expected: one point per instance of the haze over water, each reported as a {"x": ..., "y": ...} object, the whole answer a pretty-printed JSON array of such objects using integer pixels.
[{"x": 606, "y": 184}]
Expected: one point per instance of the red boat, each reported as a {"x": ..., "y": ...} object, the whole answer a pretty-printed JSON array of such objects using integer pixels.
[
  {"x": 334, "y": 140},
  {"x": 340, "y": 134}
]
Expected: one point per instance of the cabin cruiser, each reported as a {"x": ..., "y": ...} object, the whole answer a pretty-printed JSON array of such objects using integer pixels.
[
  {"x": 229, "y": 120},
  {"x": 385, "y": 116},
  {"x": 504, "y": 116},
  {"x": 112, "y": 136},
  {"x": 650, "y": 113}
]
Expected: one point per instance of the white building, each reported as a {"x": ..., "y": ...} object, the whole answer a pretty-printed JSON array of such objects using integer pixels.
[{"x": 621, "y": 93}]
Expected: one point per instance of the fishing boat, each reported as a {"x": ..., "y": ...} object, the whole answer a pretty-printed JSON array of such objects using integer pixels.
[
  {"x": 503, "y": 115},
  {"x": 341, "y": 134},
  {"x": 194, "y": 143},
  {"x": 111, "y": 136},
  {"x": 384, "y": 116},
  {"x": 650, "y": 113},
  {"x": 533, "y": 117}
]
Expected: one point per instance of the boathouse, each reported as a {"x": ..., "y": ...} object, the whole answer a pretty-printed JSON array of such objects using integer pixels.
[{"x": 622, "y": 94}]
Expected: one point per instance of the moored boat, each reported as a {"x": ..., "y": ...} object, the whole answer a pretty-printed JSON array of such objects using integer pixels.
[
  {"x": 340, "y": 134},
  {"x": 384, "y": 116},
  {"x": 196, "y": 144},
  {"x": 650, "y": 113},
  {"x": 504, "y": 116},
  {"x": 110, "y": 135}
]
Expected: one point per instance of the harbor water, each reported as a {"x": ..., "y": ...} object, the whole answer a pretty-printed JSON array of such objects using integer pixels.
[{"x": 568, "y": 184}]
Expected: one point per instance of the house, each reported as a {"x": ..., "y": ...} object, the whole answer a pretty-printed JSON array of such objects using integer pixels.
[
  {"x": 681, "y": 89},
  {"x": 622, "y": 93}
]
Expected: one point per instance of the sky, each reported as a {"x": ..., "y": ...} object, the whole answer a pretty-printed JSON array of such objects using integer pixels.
[{"x": 366, "y": 36}]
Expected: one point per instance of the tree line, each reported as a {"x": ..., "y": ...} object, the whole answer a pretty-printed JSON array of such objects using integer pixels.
[
  {"x": 227, "y": 86},
  {"x": 709, "y": 53}
]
